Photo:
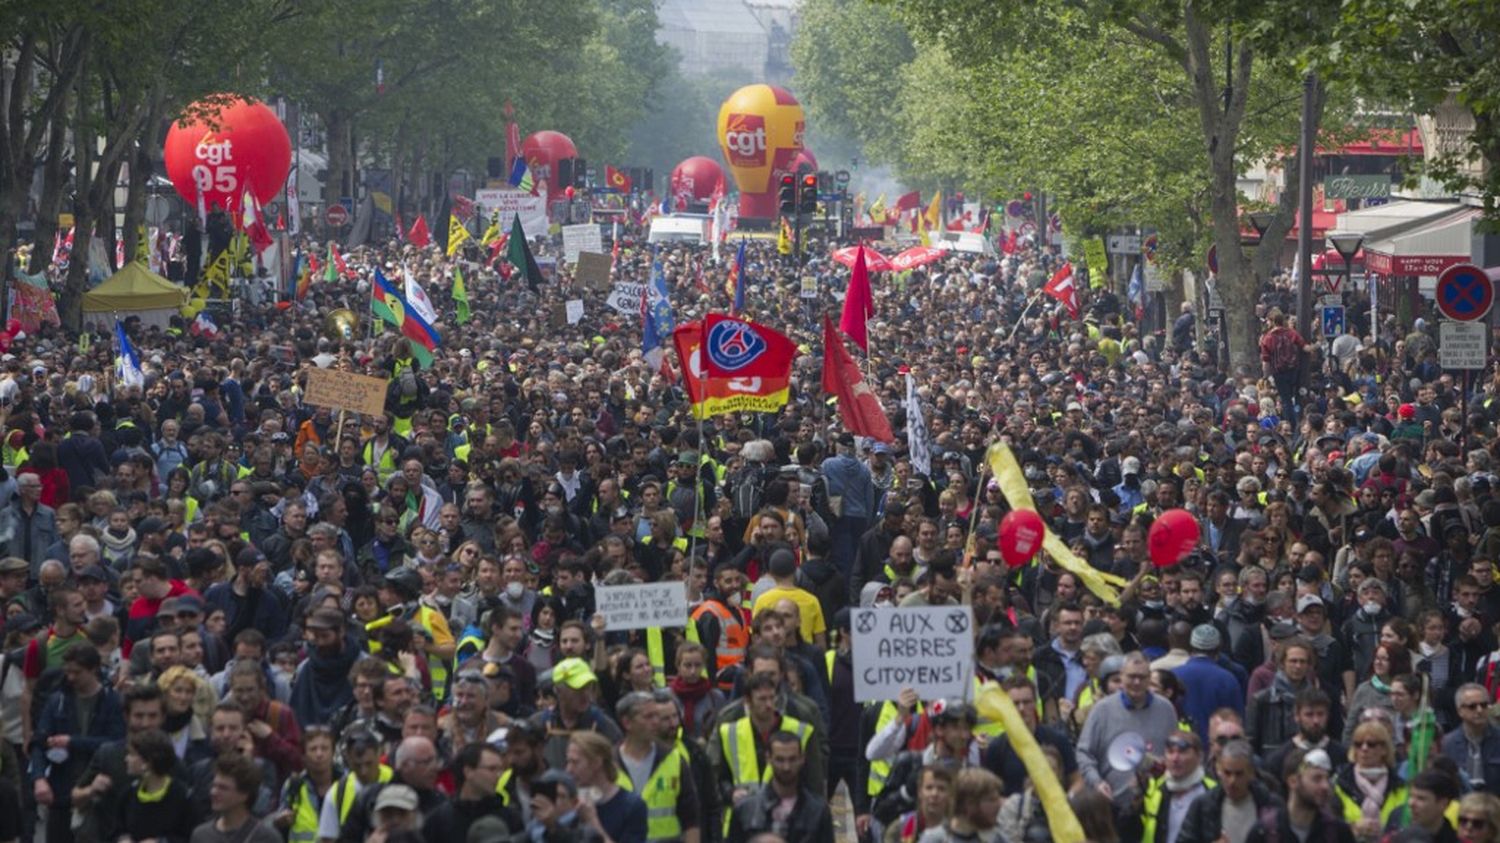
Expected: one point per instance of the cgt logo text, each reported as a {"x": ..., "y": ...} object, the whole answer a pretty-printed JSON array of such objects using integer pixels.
[{"x": 745, "y": 139}]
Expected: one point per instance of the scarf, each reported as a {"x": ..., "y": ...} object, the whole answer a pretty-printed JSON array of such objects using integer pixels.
[
  {"x": 1186, "y": 783},
  {"x": 1283, "y": 689},
  {"x": 322, "y": 687},
  {"x": 117, "y": 546},
  {"x": 174, "y": 723},
  {"x": 1380, "y": 685},
  {"x": 1372, "y": 785},
  {"x": 690, "y": 692}
]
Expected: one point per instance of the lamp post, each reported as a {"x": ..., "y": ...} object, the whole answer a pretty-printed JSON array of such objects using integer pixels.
[{"x": 1347, "y": 244}]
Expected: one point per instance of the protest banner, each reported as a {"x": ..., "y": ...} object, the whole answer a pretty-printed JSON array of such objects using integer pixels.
[
  {"x": 928, "y": 648},
  {"x": 581, "y": 238},
  {"x": 642, "y": 606},
  {"x": 575, "y": 311},
  {"x": 625, "y": 298},
  {"x": 592, "y": 270},
  {"x": 512, "y": 203},
  {"x": 339, "y": 390}
]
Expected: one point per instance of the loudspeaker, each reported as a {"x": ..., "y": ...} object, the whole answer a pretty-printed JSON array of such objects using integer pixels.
[
  {"x": 495, "y": 167},
  {"x": 564, "y": 174}
]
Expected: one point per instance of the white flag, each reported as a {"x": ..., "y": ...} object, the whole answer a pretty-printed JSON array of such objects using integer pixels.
[
  {"x": 916, "y": 431},
  {"x": 293, "y": 203},
  {"x": 417, "y": 298}
]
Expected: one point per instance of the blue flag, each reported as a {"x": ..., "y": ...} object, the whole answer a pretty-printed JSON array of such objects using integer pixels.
[
  {"x": 127, "y": 363},
  {"x": 520, "y": 176},
  {"x": 1136, "y": 292},
  {"x": 657, "y": 323}
]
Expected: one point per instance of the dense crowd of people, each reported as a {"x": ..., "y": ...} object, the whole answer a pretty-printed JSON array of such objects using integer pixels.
[{"x": 234, "y": 616}]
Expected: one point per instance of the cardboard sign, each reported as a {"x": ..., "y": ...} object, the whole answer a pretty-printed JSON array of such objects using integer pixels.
[
  {"x": 557, "y": 315},
  {"x": 592, "y": 270},
  {"x": 929, "y": 649},
  {"x": 581, "y": 238},
  {"x": 642, "y": 606},
  {"x": 339, "y": 390},
  {"x": 575, "y": 311},
  {"x": 625, "y": 298}
]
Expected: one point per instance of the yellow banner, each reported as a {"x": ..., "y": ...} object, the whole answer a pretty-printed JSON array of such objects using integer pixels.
[
  {"x": 710, "y": 407},
  {"x": 1098, "y": 261},
  {"x": 217, "y": 275},
  {"x": 1003, "y": 468},
  {"x": 995, "y": 705},
  {"x": 457, "y": 234}
]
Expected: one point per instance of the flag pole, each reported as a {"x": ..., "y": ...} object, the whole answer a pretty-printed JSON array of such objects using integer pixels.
[{"x": 1022, "y": 317}]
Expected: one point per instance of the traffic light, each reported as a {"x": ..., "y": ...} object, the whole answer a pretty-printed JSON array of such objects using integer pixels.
[
  {"x": 788, "y": 195},
  {"x": 809, "y": 201}
]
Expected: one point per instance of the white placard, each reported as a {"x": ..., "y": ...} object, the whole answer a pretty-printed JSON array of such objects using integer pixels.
[
  {"x": 581, "y": 238},
  {"x": 929, "y": 649},
  {"x": 1462, "y": 345},
  {"x": 809, "y": 287},
  {"x": 575, "y": 311},
  {"x": 1156, "y": 280},
  {"x": 625, "y": 297},
  {"x": 510, "y": 204},
  {"x": 642, "y": 606}
]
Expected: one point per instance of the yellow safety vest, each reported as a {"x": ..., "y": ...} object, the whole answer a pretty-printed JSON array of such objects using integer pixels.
[
  {"x": 1151, "y": 806},
  {"x": 657, "y": 655},
  {"x": 881, "y": 770},
  {"x": 1395, "y": 798},
  {"x": 305, "y": 820},
  {"x": 663, "y": 787},
  {"x": 468, "y": 646},
  {"x": 436, "y": 668},
  {"x": 345, "y": 794},
  {"x": 737, "y": 739},
  {"x": 385, "y": 466}
]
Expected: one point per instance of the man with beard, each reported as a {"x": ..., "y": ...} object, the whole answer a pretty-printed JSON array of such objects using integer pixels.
[
  {"x": 1334, "y": 670},
  {"x": 1305, "y": 817},
  {"x": 1244, "y": 616},
  {"x": 321, "y": 685},
  {"x": 1271, "y": 719},
  {"x": 1311, "y": 711}
]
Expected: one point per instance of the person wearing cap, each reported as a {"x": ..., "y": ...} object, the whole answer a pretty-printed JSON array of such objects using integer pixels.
[
  {"x": 1307, "y": 815},
  {"x": 320, "y": 687},
  {"x": 576, "y": 687},
  {"x": 361, "y": 753},
  {"x": 414, "y": 786},
  {"x": 1169, "y": 796},
  {"x": 30, "y": 526},
  {"x": 400, "y": 594},
  {"x": 249, "y": 600},
  {"x": 1361, "y": 632},
  {"x": 1209, "y": 686},
  {"x": 953, "y": 743}
]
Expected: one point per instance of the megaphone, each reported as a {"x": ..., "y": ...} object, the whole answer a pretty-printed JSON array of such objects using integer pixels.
[{"x": 1126, "y": 752}]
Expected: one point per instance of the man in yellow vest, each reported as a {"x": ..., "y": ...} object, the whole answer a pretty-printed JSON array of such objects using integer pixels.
[
  {"x": 952, "y": 741},
  {"x": 362, "y": 755},
  {"x": 741, "y": 750},
  {"x": 656, "y": 771},
  {"x": 1169, "y": 795}
]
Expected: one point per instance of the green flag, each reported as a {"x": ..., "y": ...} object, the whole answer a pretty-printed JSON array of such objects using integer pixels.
[
  {"x": 518, "y": 252},
  {"x": 330, "y": 272},
  {"x": 460, "y": 296}
]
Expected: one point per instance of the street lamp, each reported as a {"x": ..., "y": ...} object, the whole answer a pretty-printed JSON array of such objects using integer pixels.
[
  {"x": 1261, "y": 220},
  {"x": 1347, "y": 244}
]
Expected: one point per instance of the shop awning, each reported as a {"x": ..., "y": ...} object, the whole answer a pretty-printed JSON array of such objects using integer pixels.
[
  {"x": 1379, "y": 222},
  {"x": 1425, "y": 250}
]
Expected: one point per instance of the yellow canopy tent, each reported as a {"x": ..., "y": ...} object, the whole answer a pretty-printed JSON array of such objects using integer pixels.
[{"x": 136, "y": 291}]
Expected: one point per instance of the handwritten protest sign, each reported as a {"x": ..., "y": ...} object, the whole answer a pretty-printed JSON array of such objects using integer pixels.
[
  {"x": 592, "y": 270},
  {"x": 642, "y": 606},
  {"x": 338, "y": 390},
  {"x": 581, "y": 238},
  {"x": 929, "y": 649}
]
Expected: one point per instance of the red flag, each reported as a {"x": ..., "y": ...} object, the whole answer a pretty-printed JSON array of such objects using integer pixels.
[
  {"x": 907, "y": 201},
  {"x": 463, "y": 207},
  {"x": 254, "y": 223},
  {"x": 616, "y": 179},
  {"x": 1062, "y": 288},
  {"x": 741, "y": 349},
  {"x": 512, "y": 137},
  {"x": 859, "y": 304},
  {"x": 338, "y": 263},
  {"x": 1009, "y": 246},
  {"x": 400, "y": 229},
  {"x": 419, "y": 236},
  {"x": 861, "y": 410}
]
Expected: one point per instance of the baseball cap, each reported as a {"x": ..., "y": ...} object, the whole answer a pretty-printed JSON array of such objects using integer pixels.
[
  {"x": 1130, "y": 465},
  {"x": 1110, "y": 666},
  {"x": 93, "y": 572},
  {"x": 574, "y": 672},
  {"x": 398, "y": 796},
  {"x": 1282, "y": 630},
  {"x": 190, "y": 603},
  {"x": 1308, "y": 601},
  {"x": 151, "y": 524},
  {"x": 324, "y": 618}
]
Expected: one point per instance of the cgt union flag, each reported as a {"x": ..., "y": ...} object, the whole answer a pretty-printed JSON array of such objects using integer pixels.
[{"x": 733, "y": 365}]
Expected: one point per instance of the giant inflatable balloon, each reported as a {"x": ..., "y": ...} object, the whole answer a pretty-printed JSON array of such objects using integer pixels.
[
  {"x": 760, "y": 132},
  {"x": 221, "y": 149},
  {"x": 543, "y": 150},
  {"x": 696, "y": 178}
]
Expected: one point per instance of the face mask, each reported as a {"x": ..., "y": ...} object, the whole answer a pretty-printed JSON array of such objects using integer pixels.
[
  {"x": 734, "y": 599},
  {"x": 1252, "y": 600},
  {"x": 1155, "y": 604},
  {"x": 1370, "y": 608},
  {"x": 884, "y": 604},
  {"x": 554, "y": 510},
  {"x": 514, "y": 590}
]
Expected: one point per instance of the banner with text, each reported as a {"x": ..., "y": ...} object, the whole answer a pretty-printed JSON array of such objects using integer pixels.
[
  {"x": 642, "y": 606},
  {"x": 512, "y": 203},
  {"x": 929, "y": 649}
]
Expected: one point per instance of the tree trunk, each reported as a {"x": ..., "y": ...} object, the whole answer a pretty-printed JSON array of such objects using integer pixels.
[
  {"x": 54, "y": 179},
  {"x": 140, "y": 175},
  {"x": 338, "y": 129}
]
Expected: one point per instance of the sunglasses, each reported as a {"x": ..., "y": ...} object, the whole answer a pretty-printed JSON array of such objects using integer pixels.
[
  {"x": 1179, "y": 745},
  {"x": 1473, "y": 705},
  {"x": 1472, "y": 822},
  {"x": 1223, "y": 740},
  {"x": 1368, "y": 744}
]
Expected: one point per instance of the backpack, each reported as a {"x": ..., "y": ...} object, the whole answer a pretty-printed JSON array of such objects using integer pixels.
[
  {"x": 1285, "y": 354},
  {"x": 749, "y": 491}
]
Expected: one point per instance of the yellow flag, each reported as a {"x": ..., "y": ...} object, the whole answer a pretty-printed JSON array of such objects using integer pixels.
[
  {"x": 922, "y": 229},
  {"x": 492, "y": 233},
  {"x": 784, "y": 240},
  {"x": 934, "y": 212},
  {"x": 457, "y": 234},
  {"x": 142, "y": 248},
  {"x": 217, "y": 274},
  {"x": 995, "y": 706},
  {"x": 877, "y": 210}
]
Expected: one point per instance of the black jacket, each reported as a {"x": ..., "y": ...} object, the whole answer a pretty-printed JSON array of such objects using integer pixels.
[
  {"x": 1276, "y": 827},
  {"x": 357, "y": 827},
  {"x": 1204, "y": 821},
  {"x": 451, "y": 820},
  {"x": 1242, "y": 627},
  {"x": 809, "y": 822}
]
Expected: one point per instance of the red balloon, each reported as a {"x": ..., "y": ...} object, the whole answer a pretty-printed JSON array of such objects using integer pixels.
[
  {"x": 1020, "y": 536},
  {"x": 697, "y": 178},
  {"x": 542, "y": 151},
  {"x": 283, "y": 305},
  {"x": 224, "y": 151},
  {"x": 804, "y": 162},
  {"x": 1172, "y": 537},
  {"x": 569, "y": 192}
]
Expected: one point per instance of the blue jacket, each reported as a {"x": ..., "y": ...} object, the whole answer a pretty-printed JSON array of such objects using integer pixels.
[
  {"x": 1455, "y": 747},
  {"x": 1209, "y": 688},
  {"x": 43, "y": 527},
  {"x": 60, "y": 717}
]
